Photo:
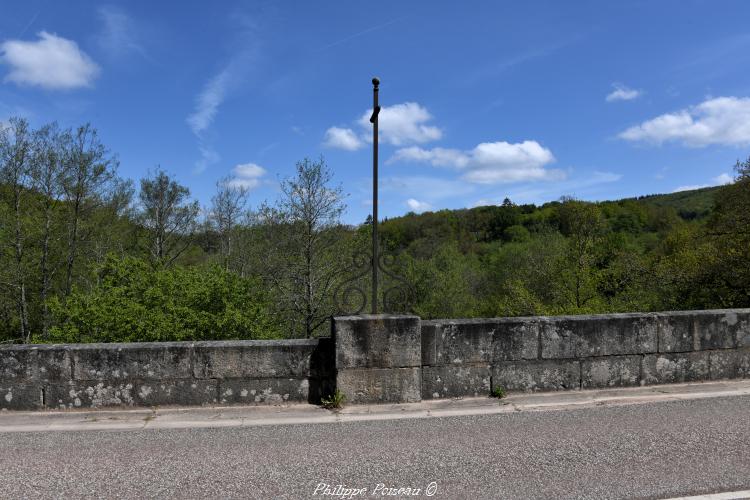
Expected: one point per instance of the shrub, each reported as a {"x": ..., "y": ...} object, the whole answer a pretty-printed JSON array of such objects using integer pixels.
[{"x": 132, "y": 302}]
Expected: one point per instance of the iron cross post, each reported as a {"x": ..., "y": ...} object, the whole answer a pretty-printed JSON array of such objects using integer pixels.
[{"x": 375, "y": 256}]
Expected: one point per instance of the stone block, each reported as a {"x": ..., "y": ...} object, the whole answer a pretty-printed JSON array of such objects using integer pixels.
[
  {"x": 378, "y": 341},
  {"x": 458, "y": 342},
  {"x": 729, "y": 364},
  {"x": 598, "y": 335},
  {"x": 21, "y": 396},
  {"x": 34, "y": 363},
  {"x": 380, "y": 385},
  {"x": 534, "y": 376},
  {"x": 515, "y": 339},
  {"x": 254, "y": 358},
  {"x": 136, "y": 361},
  {"x": 263, "y": 390},
  {"x": 610, "y": 371},
  {"x": 453, "y": 381},
  {"x": 684, "y": 331},
  {"x": 675, "y": 368}
]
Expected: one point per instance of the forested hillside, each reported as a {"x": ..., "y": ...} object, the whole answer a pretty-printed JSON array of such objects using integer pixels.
[{"x": 88, "y": 256}]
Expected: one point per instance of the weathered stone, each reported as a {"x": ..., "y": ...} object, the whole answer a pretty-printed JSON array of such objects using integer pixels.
[
  {"x": 684, "y": 331},
  {"x": 598, "y": 335},
  {"x": 136, "y": 361},
  {"x": 380, "y": 385},
  {"x": 610, "y": 371},
  {"x": 378, "y": 341},
  {"x": 175, "y": 392},
  {"x": 515, "y": 339},
  {"x": 53, "y": 363},
  {"x": 34, "y": 363},
  {"x": 16, "y": 364},
  {"x": 98, "y": 393},
  {"x": 90, "y": 394},
  {"x": 459, "y": 342},
  {"x": 21, "y": 396},
  {"x": 454, "y": 381},
  {"x": 537, "y": 375},
  {"x": 675, "y": 368},
  {"x": 254, "y": 358},
  {"x": 730, "y": 364},
  {"x": 263, "y": 390},
  {"x": 675, "y": 332}
]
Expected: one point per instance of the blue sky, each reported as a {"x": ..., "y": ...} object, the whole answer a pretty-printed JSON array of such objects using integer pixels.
[{"x": 481, "y": 100}]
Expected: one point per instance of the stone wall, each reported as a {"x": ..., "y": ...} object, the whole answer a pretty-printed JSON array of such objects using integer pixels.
[
  {"x": 386, "y": 358},
  {"x": 471, "y": 357},
  {"x": 168, "y": 373}
]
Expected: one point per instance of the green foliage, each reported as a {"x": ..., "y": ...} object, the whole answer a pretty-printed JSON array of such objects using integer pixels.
[
  {"x": 498, "y": 392},
  {"x": 133, "y": 302},
  {"x": 334, "y": 402},
  {"x": 75, "y": 252}
]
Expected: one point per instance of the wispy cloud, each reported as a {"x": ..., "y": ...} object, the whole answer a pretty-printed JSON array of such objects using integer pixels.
[
  {"x": 492, "y": 69},
  {"x": 51, "y": 62},
  {"x": 622, "y": 93},
  {"x": 360, "y": 33},
  {"x": 208, "y": 101},
  {"x": 118, "y": 35},
  {"x": 215, "y": 92}
]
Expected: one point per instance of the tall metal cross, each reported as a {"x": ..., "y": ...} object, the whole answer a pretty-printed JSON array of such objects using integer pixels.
[{"x": 375, "y": 246}]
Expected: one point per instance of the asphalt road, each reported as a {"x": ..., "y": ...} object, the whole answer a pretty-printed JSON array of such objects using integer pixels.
[{"x": 663, "y": 449}]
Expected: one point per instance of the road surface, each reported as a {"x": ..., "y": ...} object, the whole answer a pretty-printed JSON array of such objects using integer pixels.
[{"x": 658, "y": 449}]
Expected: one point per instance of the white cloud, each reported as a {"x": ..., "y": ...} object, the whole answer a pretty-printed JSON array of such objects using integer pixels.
[
  {"x": 490, "y": 162},
  {"x": 247, "y": 175},
  {"x": 622, "y": 93},
  {"x": 398, "y": 125},
  {"x": 418, "y": 206},
  {"x": 720, "y": 120},
  {"x": 342, "y": 138},
  {"x": 723, "y": 179},
  {"x": 402, "y": 124},
  {"x": 51, "y": 62}
]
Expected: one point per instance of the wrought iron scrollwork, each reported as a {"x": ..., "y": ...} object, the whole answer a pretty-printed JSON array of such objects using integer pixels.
[
  {"x": 343, "y": 294},
  {"x": 350, "y": 296},
  {"x": 398, "y": 295}
]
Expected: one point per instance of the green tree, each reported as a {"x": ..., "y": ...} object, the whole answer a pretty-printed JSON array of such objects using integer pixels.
[
  {"x": 581, "y": 223},
  {"x": 170, "y": 216},
  {"x": 302, "y": 231}
]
